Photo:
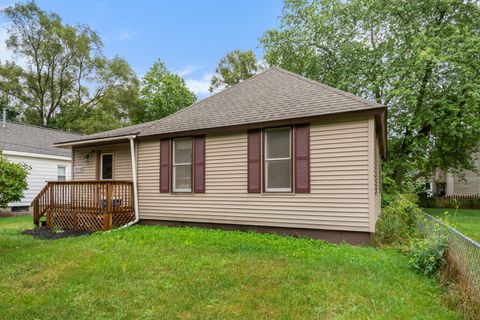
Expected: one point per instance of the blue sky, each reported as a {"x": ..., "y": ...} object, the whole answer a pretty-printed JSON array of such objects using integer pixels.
[{"x": 189, "y": 36}]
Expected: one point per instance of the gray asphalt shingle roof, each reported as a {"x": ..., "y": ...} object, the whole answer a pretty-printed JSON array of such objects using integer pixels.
[
  {"x": 33, "y": 139},
  {"x": 275, "y": 94}
]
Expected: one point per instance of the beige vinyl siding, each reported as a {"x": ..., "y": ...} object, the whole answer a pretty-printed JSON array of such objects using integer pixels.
[
  {"x": 122, "y": 166},
  {"x": 339, "y": 198},
  {"x": 378, "y": 180}
]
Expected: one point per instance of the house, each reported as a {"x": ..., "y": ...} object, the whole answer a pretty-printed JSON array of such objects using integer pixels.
[
  {"x": 23, "y": 143},
  {"x": 275, "y": 153},
  {"x": 445, "y": 183}
]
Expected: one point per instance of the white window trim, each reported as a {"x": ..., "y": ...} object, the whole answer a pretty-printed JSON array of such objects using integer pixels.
[
  {"x": 175, "y": 165},
  {"x": 266, "y": 159},
  {"x": 101, "y": 165}
]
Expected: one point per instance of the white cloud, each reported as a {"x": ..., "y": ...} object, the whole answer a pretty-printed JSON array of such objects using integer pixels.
[
  {"x": 187, "y": 70},
  {"x": 200, "y": 86},
  {"x": 125, "y": 35}
]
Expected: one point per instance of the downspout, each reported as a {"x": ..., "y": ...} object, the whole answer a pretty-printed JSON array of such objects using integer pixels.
[{"x": 135, "y": 189}]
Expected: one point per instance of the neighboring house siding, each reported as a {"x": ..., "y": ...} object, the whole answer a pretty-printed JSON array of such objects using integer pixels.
[
  {"x": 122, "y": 165},
  {"x": 471, "y": 184},
  {"x": 42, "y": 170},
  {"x": 454, "y": 185},
  {"x": 340, "y": 177}
]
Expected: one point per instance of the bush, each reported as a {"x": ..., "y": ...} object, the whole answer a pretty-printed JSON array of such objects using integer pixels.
[
  {"x": 427, "y": 255},
  {"x": 13, "y": 181},
  {"x": 398, "y": 221}
]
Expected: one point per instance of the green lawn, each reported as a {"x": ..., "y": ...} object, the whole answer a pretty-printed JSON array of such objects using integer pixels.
[
  {"x": 163, "y": 273},
  {"x": 466, "y": 221}
]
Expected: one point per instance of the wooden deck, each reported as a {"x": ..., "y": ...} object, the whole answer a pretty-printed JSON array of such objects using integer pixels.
[{"x": 85, "y": 205}]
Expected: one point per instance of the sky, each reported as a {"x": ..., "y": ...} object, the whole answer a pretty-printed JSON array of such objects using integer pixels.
[{"x": 189, "y": 36}]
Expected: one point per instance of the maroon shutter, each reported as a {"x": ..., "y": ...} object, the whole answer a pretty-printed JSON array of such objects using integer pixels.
[
  {"x": 254, "y": 160},
  {"x": 302, "y": 158},
  {"x": 165, "y": 165},
  {"x": 199, "y": 164}
]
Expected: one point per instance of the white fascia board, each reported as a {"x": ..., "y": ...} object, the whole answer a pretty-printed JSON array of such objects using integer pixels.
[
  {"x": 35, "y": 155},
  {"x": 87, "y": 142}
]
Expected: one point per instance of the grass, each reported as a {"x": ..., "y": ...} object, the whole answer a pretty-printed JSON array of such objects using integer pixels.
[
  {"x": 150, "y": 272},
  {"x": 467, "y": 221}
]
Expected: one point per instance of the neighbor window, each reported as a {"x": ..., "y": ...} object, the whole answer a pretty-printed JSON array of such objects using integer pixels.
[
  {"x": 61, "y": 173},
  {"x": 182, "y": 165},
  {"x": 107, "y": 166},
  {"x": 278, "y": 160}
]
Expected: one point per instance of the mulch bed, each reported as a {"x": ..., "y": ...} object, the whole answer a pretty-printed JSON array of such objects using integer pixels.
[{"x": 53, "y": 234}]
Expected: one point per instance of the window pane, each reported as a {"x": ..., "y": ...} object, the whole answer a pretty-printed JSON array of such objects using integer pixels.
[
  {"x": 183, "y": 177},
  {"x": 61, "y": 171},
  {"x": 278, "y": 174},
  {"x": 183, "y": 151},
  {"x": 107, "y": 166},
  {"x": 278, "y": 143}
]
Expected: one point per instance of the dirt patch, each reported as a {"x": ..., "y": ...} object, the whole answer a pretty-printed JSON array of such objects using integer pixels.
[{"x": 52, "y": 234}]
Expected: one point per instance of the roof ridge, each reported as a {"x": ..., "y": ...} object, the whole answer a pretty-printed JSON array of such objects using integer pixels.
[
  {"x": 329, "y": 88},
  {"x": 213, "y": 95},
  {"x": 42, "y": 127}
]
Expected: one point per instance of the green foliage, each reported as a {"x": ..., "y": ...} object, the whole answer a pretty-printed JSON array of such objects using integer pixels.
[
  {"x": 141, "y": 272},
  {"x": 418, "y": 57},
  {"x": 13, "y": 181},
  {"x": 398, "y": 221},
  {"x": 467, "y": 221},
  {"x": 162, "y": 93},
  {"x": 427, "y": 254},
  {"x": 63, "y": 74},
  {"x": 233, "y": 68}
]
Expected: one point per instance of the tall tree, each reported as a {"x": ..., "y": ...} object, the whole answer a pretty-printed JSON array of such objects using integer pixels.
[
  {"x": 162, "y": 93},
  {"x": 421, "y": 58},
  {"x": 233, "y": 68},
  {"x": 56, "y": 66}
]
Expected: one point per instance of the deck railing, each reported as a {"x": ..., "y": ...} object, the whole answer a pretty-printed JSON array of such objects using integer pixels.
[{"x": 85, "y": 205}]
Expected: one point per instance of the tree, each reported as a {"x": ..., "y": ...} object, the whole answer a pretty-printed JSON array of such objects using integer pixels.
[
  {"x": 233, "y": 68},
  {"x": 13, "y": 181},
  {"x": 56, "y": 66},
  {"x": 421, "y": 58},
  {"x": 162, "y": 93}
]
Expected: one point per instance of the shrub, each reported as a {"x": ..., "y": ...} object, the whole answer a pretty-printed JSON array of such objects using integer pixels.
[
  {"x": 13, "y": 181},
  {"x": 398, "y": 221},
  {"x": 427, "y": 255}
]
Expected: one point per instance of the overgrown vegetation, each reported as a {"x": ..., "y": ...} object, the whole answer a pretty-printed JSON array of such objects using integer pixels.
[
  {"x": 13, "y": 181},
  {"x": 427, "y": 254},
  {"x": 187, "y": 273},
  {"x": 426, "y": 244},
  {"x": 398, "y": 221}
]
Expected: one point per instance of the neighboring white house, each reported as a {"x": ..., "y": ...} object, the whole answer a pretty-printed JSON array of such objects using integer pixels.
[{"x": 22, "y": 143}]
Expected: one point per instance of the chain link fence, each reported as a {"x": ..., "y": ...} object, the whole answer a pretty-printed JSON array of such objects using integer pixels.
[{"x": 463, "y": 253}]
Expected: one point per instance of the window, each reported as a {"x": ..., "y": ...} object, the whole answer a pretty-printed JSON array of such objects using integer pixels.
[
  {"x": 182, "y": 165},
  {"x": 107, "y": 166},
  {"x": 61, "y": 173},
  {"x": 278, "y": 160}
]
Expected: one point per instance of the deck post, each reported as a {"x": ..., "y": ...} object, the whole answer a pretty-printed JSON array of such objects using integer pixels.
[
  {"x": 51, "y": 189},
  {"x": 107, "y": 216}
]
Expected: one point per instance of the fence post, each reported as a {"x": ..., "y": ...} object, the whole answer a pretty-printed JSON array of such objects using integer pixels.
[{"x": 107, "y": 216}]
